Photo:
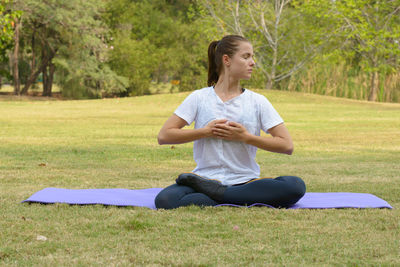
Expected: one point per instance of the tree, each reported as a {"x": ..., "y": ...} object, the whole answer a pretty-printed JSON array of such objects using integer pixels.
[
  {"x": 9, "y": 27},
  {"x": 281, "y": 38},
  {"x": 370, "y": 30},
  {"x": 7, "y": 22},
  {"x": 158, "y": 41},
  {"x": 68, "y": 38}
]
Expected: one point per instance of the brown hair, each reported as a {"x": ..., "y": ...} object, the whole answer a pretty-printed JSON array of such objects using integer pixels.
[{"x": 226, "y": 46}]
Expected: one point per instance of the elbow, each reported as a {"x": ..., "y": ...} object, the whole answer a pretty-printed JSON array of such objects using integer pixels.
[
  {"x": 289, "y": 149},
  {"x": 165, "y": 138},
  {"x": 161, "y": 139}
]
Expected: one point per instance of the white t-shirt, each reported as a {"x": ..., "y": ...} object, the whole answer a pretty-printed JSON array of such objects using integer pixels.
[{"x": 230, "y": 162}]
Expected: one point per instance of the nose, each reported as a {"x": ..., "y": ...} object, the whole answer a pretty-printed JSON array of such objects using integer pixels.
[{"x": 252, "y": 62}]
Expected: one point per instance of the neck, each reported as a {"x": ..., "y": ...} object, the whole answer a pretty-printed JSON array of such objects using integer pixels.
[{"x": 228, "y": 85}]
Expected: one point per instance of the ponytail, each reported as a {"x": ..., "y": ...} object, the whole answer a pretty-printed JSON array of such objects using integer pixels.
[
  {"x": 213, "y": 69},
  {"x": 226, "y": 46}
]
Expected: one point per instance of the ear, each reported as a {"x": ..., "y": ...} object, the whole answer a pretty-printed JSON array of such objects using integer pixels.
[{"x": 226, "y": 60}]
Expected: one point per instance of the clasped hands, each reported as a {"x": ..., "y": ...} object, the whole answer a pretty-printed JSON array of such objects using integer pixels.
[{"x": 227, "y": 130}]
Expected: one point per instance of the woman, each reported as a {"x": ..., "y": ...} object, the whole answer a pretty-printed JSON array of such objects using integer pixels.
[{"x": 228, "y": 120}]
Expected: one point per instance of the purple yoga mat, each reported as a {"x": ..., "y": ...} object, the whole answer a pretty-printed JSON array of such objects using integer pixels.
[
  {"x": 114, "y": 196},
  {"x": 145, "y": 198}
]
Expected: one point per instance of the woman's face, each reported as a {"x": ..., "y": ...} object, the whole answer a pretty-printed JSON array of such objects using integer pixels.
[{"x": 242, "y": 63}]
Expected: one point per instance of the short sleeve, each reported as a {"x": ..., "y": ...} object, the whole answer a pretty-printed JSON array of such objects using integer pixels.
[
  {"x": 188, "y": 109},
  {"x": 269, "y": 117}
]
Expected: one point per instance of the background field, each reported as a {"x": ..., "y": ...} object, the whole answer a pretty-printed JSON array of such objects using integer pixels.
[{"x": 340, "y": 145}]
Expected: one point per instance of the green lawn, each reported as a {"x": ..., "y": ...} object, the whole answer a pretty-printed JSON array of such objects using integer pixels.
[{"x": 340, "y": 145}]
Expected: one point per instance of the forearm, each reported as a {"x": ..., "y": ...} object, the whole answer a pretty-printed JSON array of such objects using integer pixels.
[
  {"x": 273, "y": 144},
  {"x": 180, "y": 136}
]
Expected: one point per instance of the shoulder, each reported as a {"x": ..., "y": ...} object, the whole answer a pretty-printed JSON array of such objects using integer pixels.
[
  {"x": 200, "y": 93},
  {"x": 257, "y": 98},
  {"x": 196, "y": 97},
  {"x": 203, "y": 91}
]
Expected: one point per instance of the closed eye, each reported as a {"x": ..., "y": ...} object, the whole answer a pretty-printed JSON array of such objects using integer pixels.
[{"x": 248, "y": 55}]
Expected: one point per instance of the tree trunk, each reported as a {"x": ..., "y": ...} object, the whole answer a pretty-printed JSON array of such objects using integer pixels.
[
  {"x": 270, "y": 84},
  {"x": 33, "y": 63},
  {"x": 35, "y": 74},
  {"x": 271, "y": 79},
  {"x": 47, "y": 87},
  {"x": 29, "y": 82},
  {"x": 52, "y": 69},
  {"x": 48, "y": 71},
  {"x": 32, "y": 78},
  {"x": 374, "y": 86},
  {"x": 16, "y": 79},
  {"x": 45, "y": 80},
  {"x": 44, "y": 70}
]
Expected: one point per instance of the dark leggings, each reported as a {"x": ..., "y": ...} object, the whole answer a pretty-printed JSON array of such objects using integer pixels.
[{"x": 282, "y": 191}]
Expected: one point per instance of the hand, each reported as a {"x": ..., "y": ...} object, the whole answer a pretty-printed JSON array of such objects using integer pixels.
[
  {"x": 209, "y": 127},
  {"x": 230, "y": 131}
]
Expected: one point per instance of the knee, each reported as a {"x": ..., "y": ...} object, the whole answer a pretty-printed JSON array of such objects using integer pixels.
[
  {"x": 163, "y": 201},
  {"x": 297, "y": 186}
]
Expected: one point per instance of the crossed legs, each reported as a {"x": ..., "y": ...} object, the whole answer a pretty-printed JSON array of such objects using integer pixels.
[{"x": 282, "y": 191}]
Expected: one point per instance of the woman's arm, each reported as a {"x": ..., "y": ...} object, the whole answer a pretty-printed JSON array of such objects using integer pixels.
[
  {"x": 172, "y": 132},
  {"x": 281, "y": 142}
]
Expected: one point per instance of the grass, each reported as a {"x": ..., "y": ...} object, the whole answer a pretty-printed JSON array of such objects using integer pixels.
[{"x": 340, "y": 145}]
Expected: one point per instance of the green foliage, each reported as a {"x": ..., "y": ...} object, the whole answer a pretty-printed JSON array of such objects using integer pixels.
[
  {"x": 7, "y": 20},
  {"x": 369, "y": 31},
  {"x": 84, "y": 72},
  {"x": 280, "y": 36},
  {"x": 158, "y": 41},
  {"x": 71, "y": 35},
  {"x": 135, "y": 60},
  {"x": 126, "y": 47}
]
